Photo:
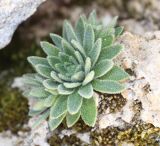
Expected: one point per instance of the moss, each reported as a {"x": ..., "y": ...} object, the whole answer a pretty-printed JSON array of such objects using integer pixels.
[
  {"x": 113, "y": 102},
  {"x": 13, "y": 111},
  {"x": 140, "y": 135},
  {"x": 105, "y": 137},
  {"x": 137, "y": 107},
  {"x": 81, "y": 127},
  {"x": 13, "y": 106},
  {"x": 71, "y": 140}
]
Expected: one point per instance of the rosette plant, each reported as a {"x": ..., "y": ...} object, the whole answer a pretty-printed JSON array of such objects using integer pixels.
[{"x": 77, "y": 65}]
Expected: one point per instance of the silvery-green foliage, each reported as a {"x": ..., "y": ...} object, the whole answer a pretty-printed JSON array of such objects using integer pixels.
[{"x": 77, "y": 64}]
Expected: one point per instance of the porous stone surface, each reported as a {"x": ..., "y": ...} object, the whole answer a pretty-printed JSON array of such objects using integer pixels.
[
  {"x": 12, "y": 13},
  {"x": 142, "y": 57},
  {"x": 30, "y": 137}
]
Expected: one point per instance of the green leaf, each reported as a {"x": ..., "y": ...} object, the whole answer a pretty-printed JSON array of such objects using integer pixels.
[
  {"x": 79, "y": 76},
  {"x": 78, "y": 68},
  {"x": 39, "y": 78},
  {"x": 89, "y": 38},
  {"x": 64, "y": 31},
  {"x": 50, "y": 84},
  {"x": 89, "y": 77},
  {"x": 71, "y": 85},
  {"x": 87, "y": 66},
  {"x": 70, "y": 70},
  {"x": 80, "y": 26},
  {"x": 55, "y": 77},
  {"x": 118, "y": 31},
  {"x": 69, "y": 31},
  {"x": 52, "y": 91},
  {"x": 74, "y": 103},
  {"x": 73, "y": 60},
  {"x": 72, "y": 119},
  {"x": 115, "y": 74},
  {"x": 89, "y": 111},
  {"x": 93, "y": 18},
  {"x": 30, "y": 80},
  {"x": 60, "y": 68},
  {"x": 35, "y": 112},
  {"x": 39, "y": 105},
  {"x": 95, "y": 52},
  {"x": 43, "y": 70},
  {"x": 59, "y": 107},
  {"x": 49, "y": 49},
  {"x": 86, "y": 91},
  {"x": 107, "y": 86},
  {"x": 41, "y": 119},
  {"x": 64, "y": 77},
  {"x": 26, "y": 94},
  {"x": 78, "y": 46},
  {"x": 64, "y": 91},
  {"x": 54, "y": 123},
  {"x": 68, "y": 49},
  {"x": 57, "y": 40},
  {"x": 52, "y": 60},
  {"x": 38, "y": 92},
  {"x": 48, "y": 102},
  {"x": 79, "y": 57},
  {"x": 34, "y": 60},
  {"x": 102, "y": 67},
  {"x": 110, "y": 52},
  {"x": 63, "y": 57},
  {"x": 107, "y": 40},
  {"x": 113, "y": 22}
]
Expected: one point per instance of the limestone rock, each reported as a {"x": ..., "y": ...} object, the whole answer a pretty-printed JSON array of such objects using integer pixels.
[
  {"x": 26, "y": 138},
  {"x": 144, "y": 53},
  {"x": 12, "y": 13},
  {"x": 142, "y": 57}
]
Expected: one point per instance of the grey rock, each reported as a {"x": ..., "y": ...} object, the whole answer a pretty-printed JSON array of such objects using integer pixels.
[{"x": 12, "y": 13}]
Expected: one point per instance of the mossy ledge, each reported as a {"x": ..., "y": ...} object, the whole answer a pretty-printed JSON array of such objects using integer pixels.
[
  {"x": 142, "y": 134},
  {"x": 139, "y": 133},
  {"x": 13, "y": 111}
]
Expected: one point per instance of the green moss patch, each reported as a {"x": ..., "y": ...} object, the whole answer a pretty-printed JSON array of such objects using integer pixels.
[{"x": 13, "y": 111}]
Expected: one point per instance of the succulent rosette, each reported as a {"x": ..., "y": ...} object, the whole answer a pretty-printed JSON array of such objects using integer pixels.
[{"x": 79, "y": 64}]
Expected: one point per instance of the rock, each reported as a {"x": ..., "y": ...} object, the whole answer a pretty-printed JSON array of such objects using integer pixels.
[
  {"x": 12, "y": 13},
  {"x": 145, "y": 86},
  {"x": 138, "y": 27},
  {"x": 34, "y": 137},
  {"x": 143, "y": 58},
  {"x": 127, "y": 144},
  {"x": 37, "y": 136}
]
